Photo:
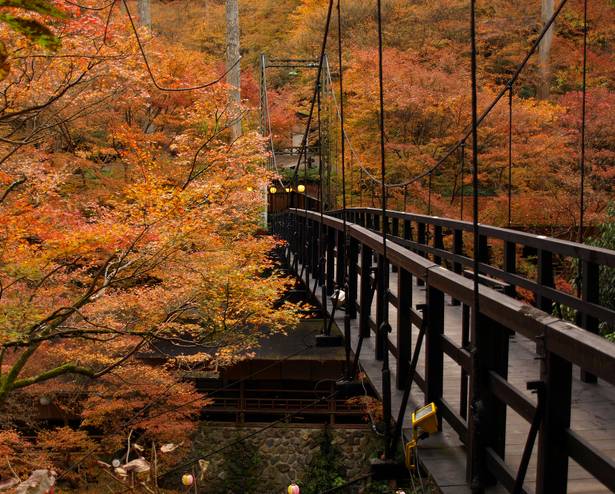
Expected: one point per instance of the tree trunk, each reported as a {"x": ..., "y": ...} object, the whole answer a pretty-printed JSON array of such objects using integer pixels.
[
  {"x": 145, "y": 14},
  {"x": 233, "y": 78},
  {"x": 544, "y": 52}
]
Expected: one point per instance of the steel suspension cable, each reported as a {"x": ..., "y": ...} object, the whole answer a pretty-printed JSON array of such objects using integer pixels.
[
  {"x": 475, "y": 385},
  {"x": 384, "y": 327},
  {"x": 462, "y": 158},
  {"x": 321, "y": 231},
  {"x": 510, "y": 160},
  {"x": 268, "y": 122},
  {"x": 347, "y": 260},
  {"x": 583, "y": 125},
  {"x": 485, "y": 113},
  {"x": 316, "y": 89}
]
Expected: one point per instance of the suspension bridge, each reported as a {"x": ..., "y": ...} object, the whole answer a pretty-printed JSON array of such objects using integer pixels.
[{"x": 431, "y": 308}]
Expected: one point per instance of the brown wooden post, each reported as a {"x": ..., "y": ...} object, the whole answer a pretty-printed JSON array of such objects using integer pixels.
[
  {"x": 438, "y": 242},
  {"x": 487, "y": 422},
  {"x": 365, "y": 297},
  {"x": 434, "y": 355},
  {"x": 351, "y": 296},
  {"x": 465, "y": 342},
  {"x": 510, "y": 266},
  {"x": 404, "y": 326},
  {"x": 590, "y": 292},
  {"x": 483, "y": 249},
  {"x": 330, "y": 276},
  {"x": 458, "y": 250},
  {"x": 552, "y": 472},
  {"x": 380, "y": 303},
  {"x": 395, "y": 233},
  {"x": 545, "y": 278},
  {"x": 407, "y": 229},
  {"x": 340, "y": 270},
  {"x": 421, "y": 239}
]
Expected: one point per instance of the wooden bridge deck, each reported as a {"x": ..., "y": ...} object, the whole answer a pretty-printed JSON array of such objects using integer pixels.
[{"x": 443, "y": 455}]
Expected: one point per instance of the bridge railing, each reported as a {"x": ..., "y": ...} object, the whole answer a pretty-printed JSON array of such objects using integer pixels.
[
  {"x": 483, "y": 363},
  {"x": 511, "y": 261}
]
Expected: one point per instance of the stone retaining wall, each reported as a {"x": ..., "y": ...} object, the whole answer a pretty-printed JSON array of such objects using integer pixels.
[{"x": 285, "y": 452}]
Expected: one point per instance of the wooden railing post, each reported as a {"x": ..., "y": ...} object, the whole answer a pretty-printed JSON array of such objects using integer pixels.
[
  {"x": 552, "y": 473},
  {"x": 488, "y": 415},
  {"x": 590, "y": 292},
  {"x": 353, "y": 257},
  {"x": 421, "y": 239},
  {"x": 510, "y": 266},
  {"x": 458, "y": 250},
  {"x": 404, "y": 326},
  {"x": 383, "y": 264},
  {"x": 434, "y": 355},
  {"x": 317, "y": 252},
  {"x": 395, "y": 227},
  {"x": 438, "y": 242},
  {"x": 407, "y": 230},
  {"x": 340, "y": 270},
  {"x": 330, "y": 276},
  {"x": 366, "y": 299},
  {"x": 395, "y": 233},
  {"x": 465, "y": 343},
  {"x": 545, "y": 278}
]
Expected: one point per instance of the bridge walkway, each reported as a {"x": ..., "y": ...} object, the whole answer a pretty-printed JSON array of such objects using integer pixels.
[{"x": 443, "y": 455}]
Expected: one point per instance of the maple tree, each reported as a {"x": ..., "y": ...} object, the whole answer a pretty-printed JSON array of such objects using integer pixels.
[
  {"x": 129, "y": 217},
  {"x": 426, "y": 80}
]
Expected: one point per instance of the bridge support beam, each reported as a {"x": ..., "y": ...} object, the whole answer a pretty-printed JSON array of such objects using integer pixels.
[
  {"x": 487, "y": 421},
  {"x": 434, "y": 354},
  {"x": 366, "y": 289},
  {"x": 552, "y": 473},
  {"x": 404, "y": 327}
]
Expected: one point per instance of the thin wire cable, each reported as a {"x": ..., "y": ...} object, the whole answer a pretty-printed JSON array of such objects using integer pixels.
[
  {"x": 468, "y": 132},
  {"x": 583, "y": 125},
  {"x": 384, "y": 271},
  {"x": 347, "y": 345},
  {"x": 462, "y": 159},
  {"x": 268, "y": 123},
  {"x": 151, "y": 73},
  {"x": 341, "y": 116},
  {"x": 476, "y": 396},
  {"x": 510, "y": 160},
  {"x": 321, "y": 59}
]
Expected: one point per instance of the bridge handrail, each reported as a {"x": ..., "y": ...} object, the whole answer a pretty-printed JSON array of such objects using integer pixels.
[
  {"x": 567, "y": 248},
  {"x": 483, "y": 362},
  {"x": 590, "y": 311},
  {"x": 572, "y": 343}
]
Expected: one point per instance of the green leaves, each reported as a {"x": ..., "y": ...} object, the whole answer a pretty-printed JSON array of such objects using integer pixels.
[
  {"x": 33, "y": 30},
  {"x": 43, "y": 7}
]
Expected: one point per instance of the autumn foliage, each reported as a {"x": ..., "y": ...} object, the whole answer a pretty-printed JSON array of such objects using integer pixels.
[{"x": 127, "y": 218}]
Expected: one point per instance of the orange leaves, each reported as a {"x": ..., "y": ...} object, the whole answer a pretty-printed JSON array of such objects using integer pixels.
[{"x": 136, "y": 224}]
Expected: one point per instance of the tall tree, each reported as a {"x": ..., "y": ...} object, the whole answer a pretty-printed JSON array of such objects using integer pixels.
[
  {"x": 232, "y": 61},
  {"x": 145, "y": 13},
  {"x": 544, "y": 52}
]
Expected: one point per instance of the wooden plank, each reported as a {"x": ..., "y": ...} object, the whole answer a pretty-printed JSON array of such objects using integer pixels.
[{"x": 591, "y": 459}]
